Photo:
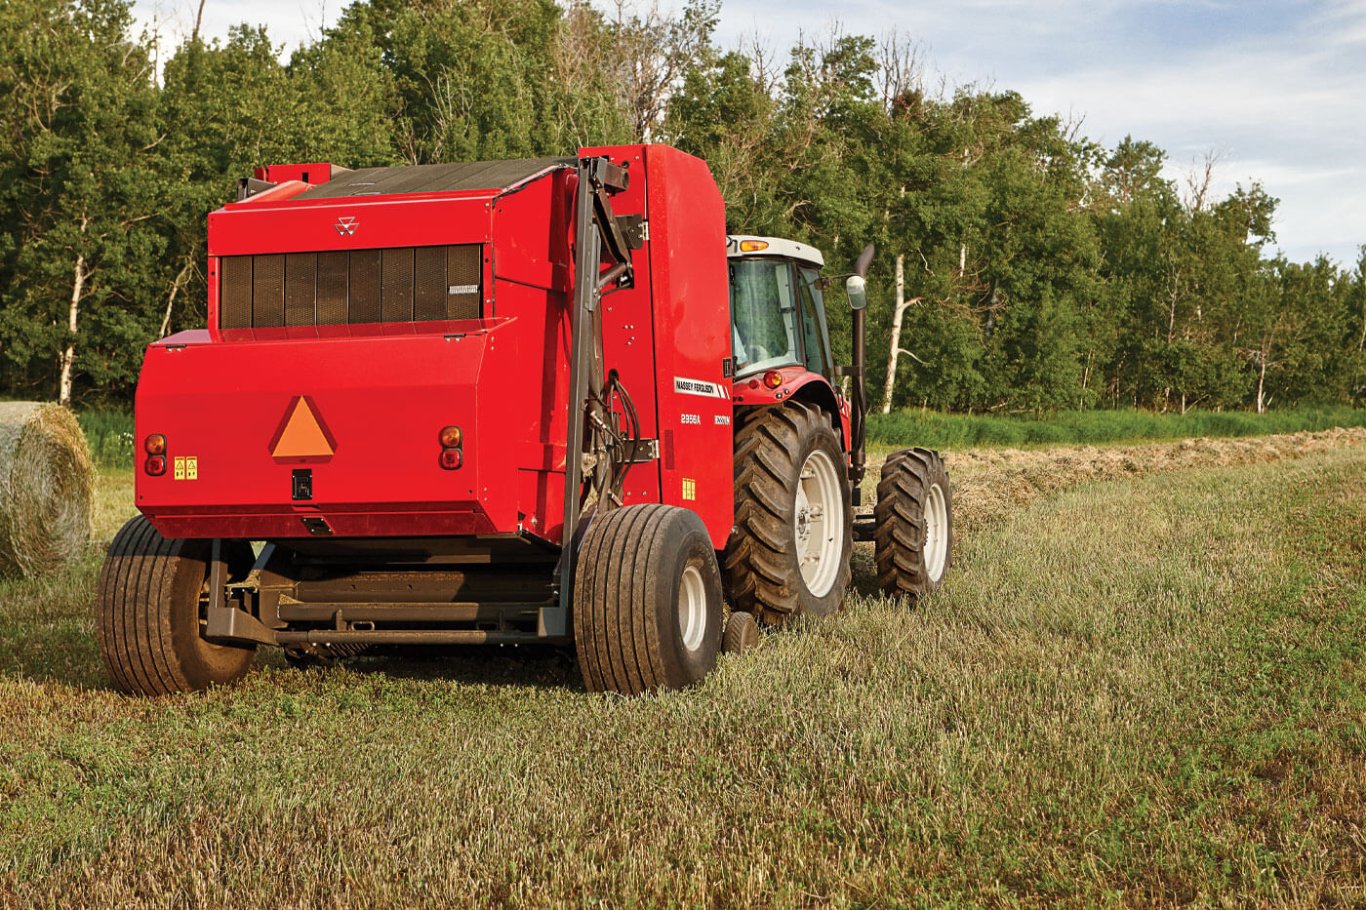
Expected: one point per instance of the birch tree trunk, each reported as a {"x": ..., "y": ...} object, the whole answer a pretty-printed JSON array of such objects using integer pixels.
[
  {"x": 73, "y": 315},
  {"x": 890, "y": 383},
  {"x": 1261, "y": 384}
]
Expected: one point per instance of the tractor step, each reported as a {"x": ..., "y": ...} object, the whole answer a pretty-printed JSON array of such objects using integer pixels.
[{"x": 865, "y": 526}]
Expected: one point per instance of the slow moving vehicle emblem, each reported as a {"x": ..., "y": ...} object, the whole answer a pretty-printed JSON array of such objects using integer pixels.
[
  {"x": 302, "y": 436},
  {"x": 346, "y": 225}
]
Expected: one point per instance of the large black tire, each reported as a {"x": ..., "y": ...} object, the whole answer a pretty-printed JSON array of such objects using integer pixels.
[
  {"x": 763, "y": 563},
  {"x": 639, "y": 570},
  {"x": 909, "y": 563},
  {"x": 149, "y": 605}
]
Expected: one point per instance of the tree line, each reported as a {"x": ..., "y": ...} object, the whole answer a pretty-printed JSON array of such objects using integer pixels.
[{"x": 1022, "y": 267}]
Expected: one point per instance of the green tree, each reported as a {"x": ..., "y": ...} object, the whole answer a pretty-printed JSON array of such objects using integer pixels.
[{"x": 79, "y": 197}]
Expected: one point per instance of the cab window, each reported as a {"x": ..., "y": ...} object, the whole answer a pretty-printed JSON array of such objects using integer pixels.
[
  {"x": 763, "y": 306},
  {"x": 814, "y": 332}
]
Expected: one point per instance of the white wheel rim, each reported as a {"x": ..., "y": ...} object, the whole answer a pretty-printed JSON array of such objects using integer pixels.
[
  {"x": 692, "y": 608},
  {"x": 936, "y": 533},
  {"x": 819, "y": 523}
]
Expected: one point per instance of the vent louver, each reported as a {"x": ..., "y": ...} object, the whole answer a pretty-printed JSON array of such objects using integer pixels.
[{"x": 404, "y": 284}]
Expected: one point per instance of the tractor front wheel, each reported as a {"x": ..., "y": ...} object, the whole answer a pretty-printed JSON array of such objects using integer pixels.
[
  {"x": 789, "y": 552},
  {"x": 151, "y": 599},
  {"x": 913, "y": 523},
  {"x": 647, "y": 601}
]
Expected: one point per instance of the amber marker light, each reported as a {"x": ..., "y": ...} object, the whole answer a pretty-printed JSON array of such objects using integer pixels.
[
  {"x": 773, "y": 379},
  {"x": 753, "y": 246},
  {"x": 155, "y": 444},
  {"x": 451, "y": 437}
]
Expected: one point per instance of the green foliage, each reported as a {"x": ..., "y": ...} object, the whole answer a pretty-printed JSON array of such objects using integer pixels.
[
  {"x": 1047, "y": 273},
  {"x": 110, "y": 435},
  {"x": 939, "y": 430}
]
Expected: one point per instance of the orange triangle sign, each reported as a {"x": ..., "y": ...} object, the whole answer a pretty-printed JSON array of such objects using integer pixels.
[{"x": 302, "y": 435}]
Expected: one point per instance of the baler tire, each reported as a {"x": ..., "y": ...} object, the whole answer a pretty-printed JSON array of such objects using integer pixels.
[
  {"x": 742, "y": 633},
  {"x": 148, "y": 600},
  {"x": 763, "y": 565},
  {"x": 640, "y": 569},
  {"x": 907, "y": 562}
]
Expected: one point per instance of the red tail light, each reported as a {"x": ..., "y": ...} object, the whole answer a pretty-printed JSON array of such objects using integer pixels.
[
  {"x": 451, "y": 459},
  {"x": 155, "y": 465}
]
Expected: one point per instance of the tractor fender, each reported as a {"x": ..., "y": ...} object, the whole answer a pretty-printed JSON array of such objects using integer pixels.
[{"x": 798, "y": 384}]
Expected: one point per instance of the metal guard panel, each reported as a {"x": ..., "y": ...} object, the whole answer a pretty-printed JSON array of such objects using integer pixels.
[{"x": 383, "y": 400}]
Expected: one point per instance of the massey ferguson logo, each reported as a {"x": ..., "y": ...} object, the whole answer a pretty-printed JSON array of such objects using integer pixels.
[{"x": 346, "y": 225}]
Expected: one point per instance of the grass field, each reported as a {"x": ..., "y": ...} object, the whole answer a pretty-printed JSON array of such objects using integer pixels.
[
  {"x": 958, "y": 431},
  {"x": 1141, "y": 691}
]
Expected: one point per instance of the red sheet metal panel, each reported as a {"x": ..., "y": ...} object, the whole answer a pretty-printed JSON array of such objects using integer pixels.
[
  {"x": 382, "y": 392},
  {"x": 380, "y": 401},
  {"x": 688, "y": 272}
]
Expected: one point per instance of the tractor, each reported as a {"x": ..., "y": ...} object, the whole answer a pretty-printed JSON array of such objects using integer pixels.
[{"x": 544, "y": 400}]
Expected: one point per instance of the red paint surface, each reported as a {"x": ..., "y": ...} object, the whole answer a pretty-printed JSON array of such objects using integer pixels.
[{"x": 383, "y": 392}]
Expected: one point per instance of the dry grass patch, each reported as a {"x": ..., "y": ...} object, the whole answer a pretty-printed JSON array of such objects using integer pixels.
[
  {"x": 991, "y": 483},
  {"x": 1140, "y": 693}
]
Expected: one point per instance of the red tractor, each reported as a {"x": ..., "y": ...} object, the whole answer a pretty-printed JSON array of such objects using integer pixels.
[{"x": 503, "y": 402}]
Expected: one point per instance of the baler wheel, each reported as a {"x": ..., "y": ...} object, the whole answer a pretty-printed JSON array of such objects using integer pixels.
[
  {"x": 150, "y": 602},
  {"x": 913, "y": 523},
  {"x": 789, "y": 552},
  {"x": 647, "y": 600},
  {"x": 742, "y": 633}
]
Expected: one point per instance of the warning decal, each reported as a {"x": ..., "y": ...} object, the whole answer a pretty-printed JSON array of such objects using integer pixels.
[{"x": 699, "y": 387}]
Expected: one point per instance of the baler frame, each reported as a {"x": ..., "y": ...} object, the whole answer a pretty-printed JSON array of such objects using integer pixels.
[{"x": 260, "y": 607}]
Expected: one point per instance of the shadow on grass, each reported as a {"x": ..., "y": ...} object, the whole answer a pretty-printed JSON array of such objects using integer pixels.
[
  {"x": 538, "y": 666},
  {"x": 47, "y": 635}
]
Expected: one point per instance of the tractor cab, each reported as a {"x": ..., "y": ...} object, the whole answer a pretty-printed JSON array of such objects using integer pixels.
[{"x": 777, "y": 307}]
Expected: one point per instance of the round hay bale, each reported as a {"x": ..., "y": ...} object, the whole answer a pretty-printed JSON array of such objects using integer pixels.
[{"x": 47, "y": 488}]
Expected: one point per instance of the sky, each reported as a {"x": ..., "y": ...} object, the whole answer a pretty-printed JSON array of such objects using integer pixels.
[{"x": 1274, "y": 90}]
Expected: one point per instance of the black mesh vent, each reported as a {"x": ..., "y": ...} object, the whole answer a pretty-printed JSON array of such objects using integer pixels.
[
  {"x": 397, "y": 268},
  {"x": 363, "y": 301},
  {"x": 234, "y": 293},
  {"x": 429, "y": 283},
  {"x": 300, "y": 288},
  {"x": 332, "y": 287},
  {"x": 463, "y": 269},
  {"x": 405, "y": 284},
  {"x": 268, "y": 291}
]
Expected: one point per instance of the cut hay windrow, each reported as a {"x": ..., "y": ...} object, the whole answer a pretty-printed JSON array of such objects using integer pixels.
[
  {"x": 990, "y": 483},
  {"x": 47, "y": 488}
]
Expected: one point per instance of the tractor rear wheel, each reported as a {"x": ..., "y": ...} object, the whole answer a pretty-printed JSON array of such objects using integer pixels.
[
  {"x": 647, "y": 601},
  {"x": 789, "y": 553},
  {"x": 913, "y": 523},
  {"x": 151, "y": 599}
]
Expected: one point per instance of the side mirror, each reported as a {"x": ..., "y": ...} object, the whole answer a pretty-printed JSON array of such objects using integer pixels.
[{"x": 857, "y": 289}]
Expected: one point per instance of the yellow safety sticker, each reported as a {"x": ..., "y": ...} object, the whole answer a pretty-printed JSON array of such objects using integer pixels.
[
  {"x": 180, "y": 467},
  {"x": 191, "y": 467},
  {"x": 689, "y": 488}
]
